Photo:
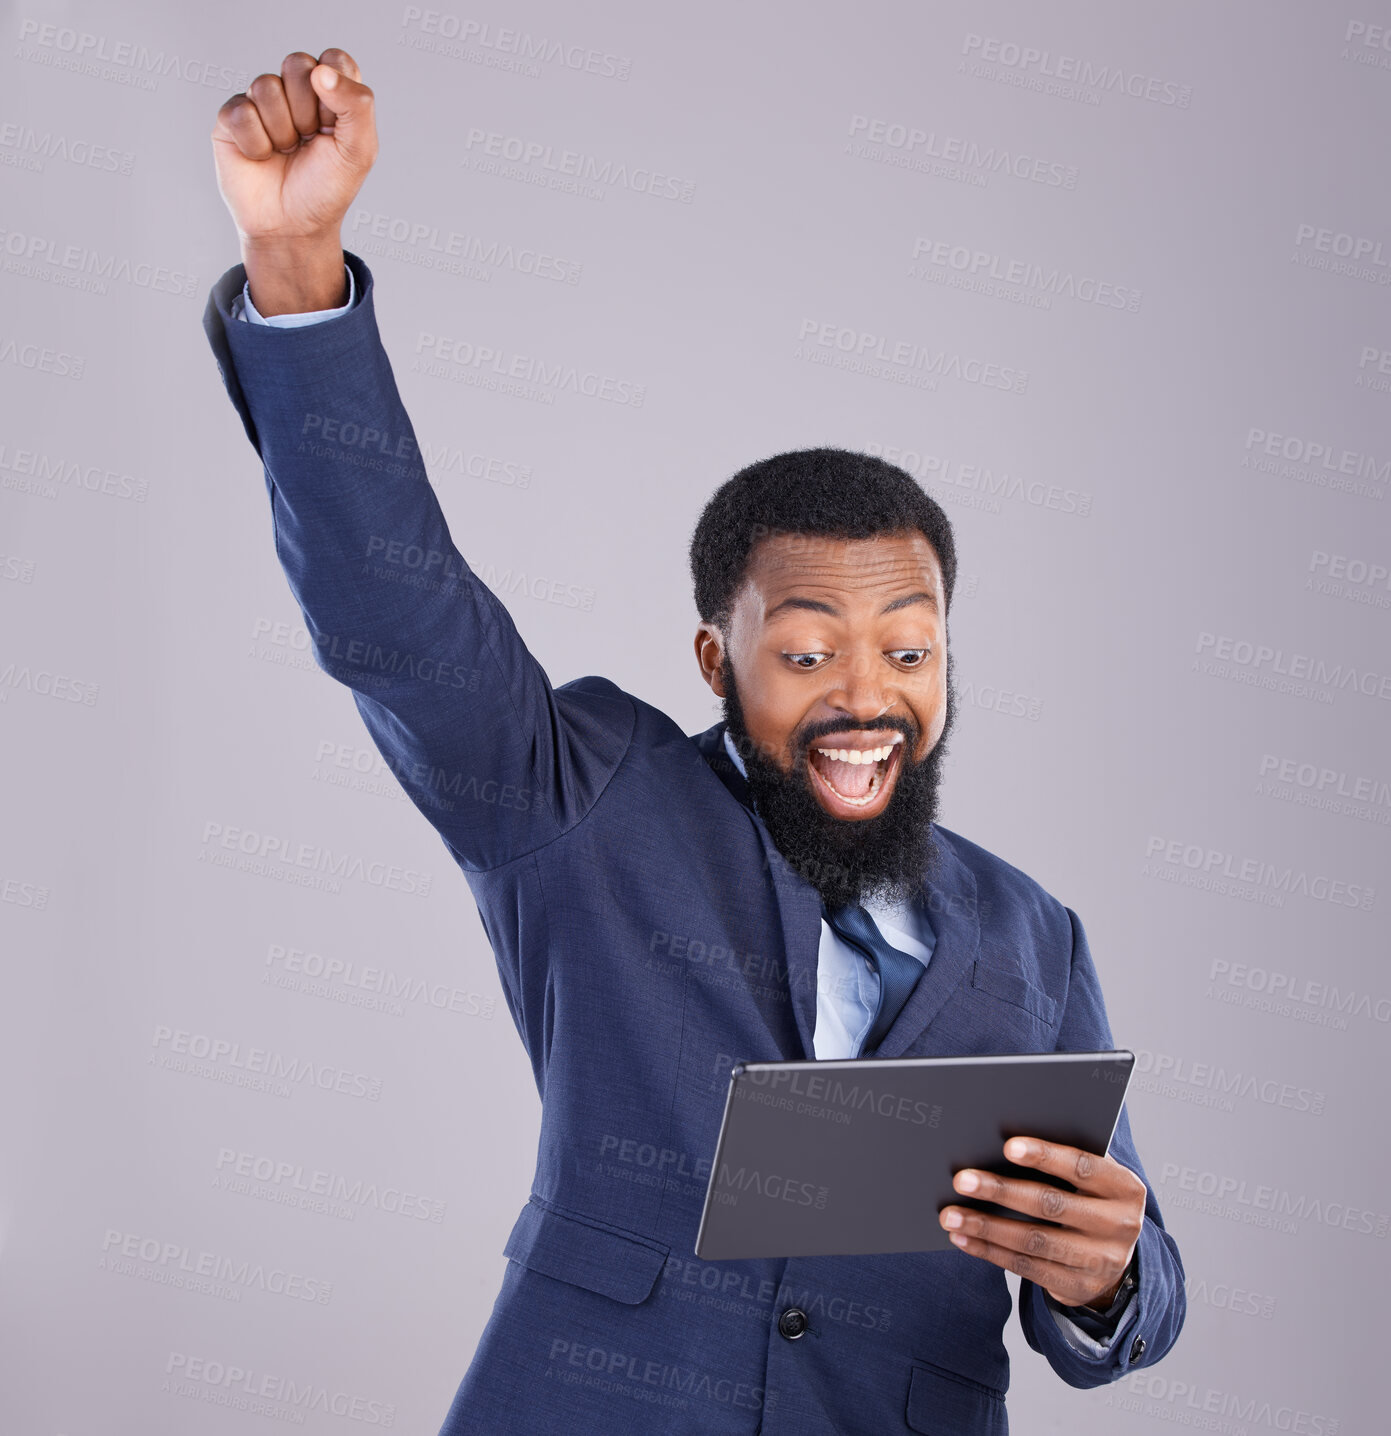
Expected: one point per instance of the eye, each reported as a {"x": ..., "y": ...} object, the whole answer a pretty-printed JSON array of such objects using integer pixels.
[{"x": 918, "y": 657}]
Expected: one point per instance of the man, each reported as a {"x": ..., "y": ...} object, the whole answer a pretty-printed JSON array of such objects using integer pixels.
[{"x": 662, "y": 904}]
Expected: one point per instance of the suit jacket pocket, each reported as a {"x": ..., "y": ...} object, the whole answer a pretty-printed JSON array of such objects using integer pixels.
[
  {"x": 586, "y": 1252},
  {"x": 1013, "y": 987},
  {"x": 941, "y": 1403}
]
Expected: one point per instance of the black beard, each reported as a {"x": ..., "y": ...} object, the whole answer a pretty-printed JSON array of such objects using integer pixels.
[{"x": 886, "y": 857}]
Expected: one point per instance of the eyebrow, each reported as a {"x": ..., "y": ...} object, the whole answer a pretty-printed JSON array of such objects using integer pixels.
[{"x": 819, "y": 606}]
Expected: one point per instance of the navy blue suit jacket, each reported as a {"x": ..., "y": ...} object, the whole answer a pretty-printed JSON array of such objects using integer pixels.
[{"x": 647, "y": 933}]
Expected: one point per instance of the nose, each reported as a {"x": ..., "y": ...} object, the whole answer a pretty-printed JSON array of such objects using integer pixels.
[{"x": 860, "y": 688}]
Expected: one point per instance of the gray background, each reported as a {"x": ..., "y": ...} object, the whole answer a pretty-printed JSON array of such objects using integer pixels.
[{"x": 1143, "y": 569}]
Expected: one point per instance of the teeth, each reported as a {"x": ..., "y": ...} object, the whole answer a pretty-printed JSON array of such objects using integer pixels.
[{"x": 862, "y": 755}]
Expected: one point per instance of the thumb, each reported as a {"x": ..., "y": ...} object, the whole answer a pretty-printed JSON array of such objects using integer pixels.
[{"x": 350, "y": 105}]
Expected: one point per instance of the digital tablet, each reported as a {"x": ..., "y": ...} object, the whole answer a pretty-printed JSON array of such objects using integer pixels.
[{"x": 846, "y": 1158}]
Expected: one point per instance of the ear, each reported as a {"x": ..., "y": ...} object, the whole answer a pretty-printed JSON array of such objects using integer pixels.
[{"x": 709, "y": 651}]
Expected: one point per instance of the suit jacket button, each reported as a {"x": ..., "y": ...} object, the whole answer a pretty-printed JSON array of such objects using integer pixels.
[
  {"x": 792, "y": 1323},
  {"x": 1137, "y": 1348}
]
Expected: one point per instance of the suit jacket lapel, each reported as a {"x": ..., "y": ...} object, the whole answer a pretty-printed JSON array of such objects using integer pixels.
[
  {"x": 799, "y": 904},
  {"x": 955, "y": 918}
]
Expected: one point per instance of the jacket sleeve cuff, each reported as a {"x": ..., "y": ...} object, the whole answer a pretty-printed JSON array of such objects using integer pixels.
[
  {"x": 1094, "y": 1337},
  {"x": 244, "y": 309}
]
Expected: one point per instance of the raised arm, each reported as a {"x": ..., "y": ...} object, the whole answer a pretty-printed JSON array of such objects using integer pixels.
[{"x": 495, "y": 758}]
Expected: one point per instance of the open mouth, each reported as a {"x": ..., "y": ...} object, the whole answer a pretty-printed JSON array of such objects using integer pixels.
[{"x": 855, "y": 778}]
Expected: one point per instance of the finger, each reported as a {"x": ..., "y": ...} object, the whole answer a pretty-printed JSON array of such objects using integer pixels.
[
  {"x": 304, "y": 103},
  {"x": 344, "y": 63},
  {"x": 267, "y": 92},
  {"x": 1065, "y": 1285},
  {"x": 1087, "y": 1171},
  {"x": 1091, "y": 1256},
  {"x": 350, "y": 106},
  {"x": 239, "y": 123},
  {"x": 1036, "y": 1199}
]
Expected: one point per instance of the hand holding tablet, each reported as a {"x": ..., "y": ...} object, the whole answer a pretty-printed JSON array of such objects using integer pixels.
[{"x": 1079, "y": 1250}]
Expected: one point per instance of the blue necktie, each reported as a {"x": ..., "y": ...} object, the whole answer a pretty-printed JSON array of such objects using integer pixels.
[{"x": 898, "y": 971}]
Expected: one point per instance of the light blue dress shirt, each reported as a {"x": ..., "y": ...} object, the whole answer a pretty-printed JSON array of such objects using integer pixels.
[{"x": 847, "y": 987}]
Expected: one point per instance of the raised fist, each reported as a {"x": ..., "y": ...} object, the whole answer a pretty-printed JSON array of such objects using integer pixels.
[{"x": 294, "y": 149}]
